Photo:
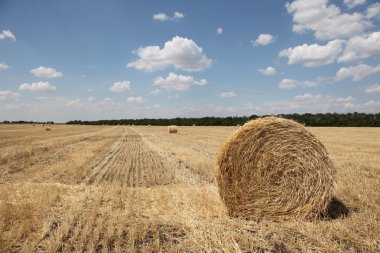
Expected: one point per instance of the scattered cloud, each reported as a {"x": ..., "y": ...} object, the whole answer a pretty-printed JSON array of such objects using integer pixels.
[
  {"x": 121, "y": 86},
  {"x": 91, "y": 99},
  {"x": 288, "y": 84},
  {"x": 107, "y": 99},
  {"x": 308, "y": 97},
  {"x": 313, "y": 103},
  {"x": 45, "y": 72},
  {"x": 268, "y": 71},
  {"x": 263, "y": 40},
  {"x": 346, "y": 99},
  {"x": 73, "y": 102},
  {"x": 356, "y": 73},
  {"x": 325, "y": 20},
  {"x": 373, "y": 89},
  {"x": 90, "y": 90},
  {"x": 3, "y": 66},
  {"x": 155, "y": 92},
  {"x": 228, "y": 94},
  {"x": 160, "y": 17},
  {"x": 156, "y": 106},
  {"x": 37, "y": 86},
  {"x": 164, "y": 17},
  {"x": 178, "y": 15},
  {"x": 137, "y": 100},
  {"x": 373, "y": 11},
  {"x": 180, "y": 52},
  {"x": 373, "y": 104},
  {"x": 178, "y": 82},
  {"x": 361, "y": 47},
  {"x": 219, "y": 30},
  {"x": 353, "y": 3},
  {"x": 313, "y": 55},
  {"x": 7, "y": 94},
  {"x": 7, "y": 34}
]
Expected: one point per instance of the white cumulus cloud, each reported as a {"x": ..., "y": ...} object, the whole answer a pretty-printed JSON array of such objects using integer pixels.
[
  {"x": 121, "y": 86},
  {"x": 268, "y": 71},
  {"x": 7, "y": 94},
  {"x": 178, "y": 15},
  {"x": 346, "y": 99},
  {"x": 372, "y": 103},
  {"x": 37, "y": 86},
  {"x": 73, "y": 102},
  {"x": 180, "y": 52},
  {"x": 135, "y": 100},
  {"x": 45, "y": 72},
  {"x": 308, "y": 97},
  {"x": 356, "y": 73},
  {"x": 325, "y": 20},
  {"x": 91, "y": 99},
  {"x": 263, "y": 40},
  {"x": 160, "y": 17},
  {"x": 373, "y": 89},
  {"x": 219, "y": 30},
  {"x": 3, "y": 66},
  {"x": 178, "y": 82},
  {"x": 288, "y": 84},
  {"x": 228, "y": 94},
  {"x": 155, "y": 92},
  {"x": 164, "y": 17},
  {"x": 7, "y": 34},
  {"x": 361, "y": 47},
  {"x": 373, "y": 11},
  {"x": 313, "y": 55},
  {"x": 353, "y": 3}
]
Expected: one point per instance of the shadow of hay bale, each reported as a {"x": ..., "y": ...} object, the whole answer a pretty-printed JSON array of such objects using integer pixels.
[{"x": 336, "y": 209}]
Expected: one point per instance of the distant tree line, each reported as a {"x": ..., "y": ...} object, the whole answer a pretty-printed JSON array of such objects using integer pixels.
[
  {"x": 320, "y": 119},
  {"x": 27, "y": 122}
]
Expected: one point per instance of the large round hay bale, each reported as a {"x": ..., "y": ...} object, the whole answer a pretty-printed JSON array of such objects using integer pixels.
[
  {"x": 172, "y": 129},
  {"x": 276, "y": 169}
]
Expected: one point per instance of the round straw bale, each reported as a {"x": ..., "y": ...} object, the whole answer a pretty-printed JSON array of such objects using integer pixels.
[
  {"x": 48, "y": 129},
  {"x": 172, "y": 129},
  {"x": 276, "y": 169}
]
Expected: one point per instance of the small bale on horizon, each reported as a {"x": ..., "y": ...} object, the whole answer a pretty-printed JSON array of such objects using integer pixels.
[
  {"x": 172, "y": 129},
  {"x": 48, "y": 129}
]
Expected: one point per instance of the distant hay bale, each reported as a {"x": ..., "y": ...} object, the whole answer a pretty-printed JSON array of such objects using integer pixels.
[
  {"x": 193, "y": 124},
  {"x": 238, "y": 125},
  {"x": 276, "y": 169},
  {"x": 173, "y": 129},
  {"x": 149, "y": 125},
  {"x": 48, "y": 129}
]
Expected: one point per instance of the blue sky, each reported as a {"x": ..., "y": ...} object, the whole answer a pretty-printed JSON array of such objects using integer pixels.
[{"x": 65, "y": 60}]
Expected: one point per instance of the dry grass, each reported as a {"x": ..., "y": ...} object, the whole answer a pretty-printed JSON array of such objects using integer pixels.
[
  {"x": 120, "y": 189},
  {"x": 276, "y": 169}
]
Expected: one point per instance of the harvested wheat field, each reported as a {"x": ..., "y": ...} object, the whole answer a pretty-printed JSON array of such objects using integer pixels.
[{"x": 141, "y": 189}]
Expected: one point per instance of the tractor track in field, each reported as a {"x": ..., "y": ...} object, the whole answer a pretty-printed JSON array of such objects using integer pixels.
[{"x": 131, "y": 163}]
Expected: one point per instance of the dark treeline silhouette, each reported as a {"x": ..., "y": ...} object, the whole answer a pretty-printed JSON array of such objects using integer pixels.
[
  {"x": 320, "y": 119},
  {"x": 26, "y": 122}
]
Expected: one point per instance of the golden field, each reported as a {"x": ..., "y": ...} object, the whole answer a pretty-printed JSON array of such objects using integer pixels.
[{"x": 139, "y": 189}]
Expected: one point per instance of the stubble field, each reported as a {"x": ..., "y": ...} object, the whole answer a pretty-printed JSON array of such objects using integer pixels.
[{"x": 139, "y": 189}]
